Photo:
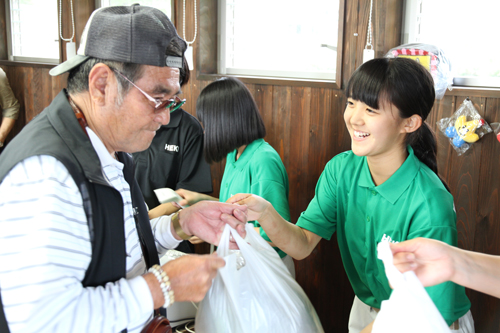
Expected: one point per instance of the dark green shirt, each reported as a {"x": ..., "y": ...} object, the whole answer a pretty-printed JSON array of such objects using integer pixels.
[{"x": 412, "y": 203}]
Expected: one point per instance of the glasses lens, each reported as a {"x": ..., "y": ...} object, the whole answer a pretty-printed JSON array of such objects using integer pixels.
[{"x": 163, "y": 104}]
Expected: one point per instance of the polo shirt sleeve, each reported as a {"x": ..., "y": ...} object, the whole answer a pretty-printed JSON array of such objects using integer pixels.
[
  {"x": 270, "y": 181},
  {"x": 320, "y": 217},
  {"x": 439, "y": 219}
]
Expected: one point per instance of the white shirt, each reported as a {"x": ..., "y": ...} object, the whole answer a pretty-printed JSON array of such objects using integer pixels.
[{"x": 45, "y": 251}]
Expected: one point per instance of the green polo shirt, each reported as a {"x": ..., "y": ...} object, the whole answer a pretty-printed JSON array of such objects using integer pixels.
[
  {"x": 411, "y": 203},
  {"x": 259, "y": 171}
]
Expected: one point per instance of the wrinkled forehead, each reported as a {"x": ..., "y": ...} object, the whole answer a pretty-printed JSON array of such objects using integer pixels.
[{"x": 162, "y": 80}]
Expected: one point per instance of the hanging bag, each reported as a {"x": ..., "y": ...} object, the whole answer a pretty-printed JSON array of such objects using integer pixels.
[
  {"x": 254, "y": 292},
  {"x": 409, "y": 309}
]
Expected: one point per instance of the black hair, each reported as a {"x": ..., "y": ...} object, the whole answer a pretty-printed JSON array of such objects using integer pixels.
[
  {"x": 230, "y": 116},
  {"x": 408, "y": 86},
  {"x": 185, "y": 73}
]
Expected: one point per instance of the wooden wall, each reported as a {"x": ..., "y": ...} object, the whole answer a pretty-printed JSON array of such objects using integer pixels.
[{"x": 305, "y": 125}]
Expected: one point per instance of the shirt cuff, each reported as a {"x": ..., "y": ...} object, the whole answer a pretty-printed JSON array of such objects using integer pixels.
[{"x": 141, "y": 292}]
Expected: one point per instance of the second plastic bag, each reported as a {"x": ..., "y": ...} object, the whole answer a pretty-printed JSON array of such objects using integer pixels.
[
  {"x": 409, "y": 309},
  {"x": 254, "y": 292}
]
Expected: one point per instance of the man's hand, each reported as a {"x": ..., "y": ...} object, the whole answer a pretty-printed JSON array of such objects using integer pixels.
[
  {"x": 191, "y": 275},
  {"x": 207, "y": 220}
]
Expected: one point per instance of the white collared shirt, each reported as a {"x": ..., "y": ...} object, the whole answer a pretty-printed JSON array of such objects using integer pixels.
[{"x": 45, "y": 251}]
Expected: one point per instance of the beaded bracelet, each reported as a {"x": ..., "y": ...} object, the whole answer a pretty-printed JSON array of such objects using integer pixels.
[{"x": 162, "y": 277}]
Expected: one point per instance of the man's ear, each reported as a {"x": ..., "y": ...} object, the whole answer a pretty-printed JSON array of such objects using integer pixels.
[
  {"x": 412, "y": 124},
  {"x": 100, "y": 80}
]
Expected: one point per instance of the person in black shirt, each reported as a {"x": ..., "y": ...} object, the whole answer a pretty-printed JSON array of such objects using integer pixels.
[{"x": 174, "y": 160}]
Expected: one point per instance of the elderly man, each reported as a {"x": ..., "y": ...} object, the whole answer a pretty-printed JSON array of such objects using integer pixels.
[{"x": 75, "y": 239}]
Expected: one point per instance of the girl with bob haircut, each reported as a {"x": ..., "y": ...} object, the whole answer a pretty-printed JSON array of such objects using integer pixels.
[
  {"x": 234, "y": 130},
  {"x": 386, "y": 188}
]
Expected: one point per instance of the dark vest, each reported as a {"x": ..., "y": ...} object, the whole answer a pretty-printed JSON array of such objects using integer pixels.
[{"x": 56, "y": 132}]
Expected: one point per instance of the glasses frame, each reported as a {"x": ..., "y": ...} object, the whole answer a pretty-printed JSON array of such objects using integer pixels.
[{"x": 175, "y": 103}]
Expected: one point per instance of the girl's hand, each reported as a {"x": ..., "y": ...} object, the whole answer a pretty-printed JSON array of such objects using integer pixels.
[
  {"x": 257, "y": 206},
  {"x": 189, "y": 197},
  {"x": 196, "y": 240}
]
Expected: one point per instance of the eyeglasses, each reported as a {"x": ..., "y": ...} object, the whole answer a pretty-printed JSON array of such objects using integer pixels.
[{"x": 170, "y": 104}]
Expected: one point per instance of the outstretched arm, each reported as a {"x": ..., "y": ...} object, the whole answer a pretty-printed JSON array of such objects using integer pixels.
[
  {"x": 163, "y": 209},
  {"x": 293, "y": 240},
  {"x": 435, "y": 262}
]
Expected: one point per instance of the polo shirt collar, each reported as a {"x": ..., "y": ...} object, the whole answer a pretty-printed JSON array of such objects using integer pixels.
[
  {"x": 395, "y": 186},
  {"x": 247, "y": 154}
]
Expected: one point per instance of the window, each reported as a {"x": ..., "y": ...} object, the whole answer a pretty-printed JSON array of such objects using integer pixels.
[
  {"x": 163, "y": 5},
  {"x": 465, "y": 30},
  {"x": 28, "y": 41},
  {"x": 279, "y": 38}
]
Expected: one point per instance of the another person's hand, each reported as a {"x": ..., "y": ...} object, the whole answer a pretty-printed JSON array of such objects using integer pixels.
[
  {"x": 195, "y": 240},
  {"x": 190, "y": 197},
  {"x": 191, "y": 275},
  {"x": 257, "y": 206},
  {"x": 207, "y": 220},
  {"x": 430, "y": 259}
]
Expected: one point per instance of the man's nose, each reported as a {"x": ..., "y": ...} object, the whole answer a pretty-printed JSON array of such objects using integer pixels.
[{"x": 163, "y": 117}]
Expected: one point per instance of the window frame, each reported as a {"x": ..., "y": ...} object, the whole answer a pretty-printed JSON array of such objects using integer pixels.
[
  {"x": 11, "y": 57},
  {"x": 208, "y": 49},
  {"x": 285, "y": 74}
]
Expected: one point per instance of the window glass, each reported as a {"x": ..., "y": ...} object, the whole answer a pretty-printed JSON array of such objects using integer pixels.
[
  {"x": 465, "y": 31},
  {"x": 281, "y": 38},
  {"x": 29, "y": 40}
]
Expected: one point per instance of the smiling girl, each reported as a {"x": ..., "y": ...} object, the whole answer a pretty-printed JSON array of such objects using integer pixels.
[{"x": 386, "y": 188}]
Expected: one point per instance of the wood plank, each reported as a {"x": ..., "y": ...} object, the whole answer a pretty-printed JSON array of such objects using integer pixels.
[
  {"x": 3, "y": 32},
  {"x": 486, "y": 309},
  {"x": 443, "y": 108},
  {"x": 464, "y": 177},
  {"x": 280, "y": 127},
  {"x": 298, "y": 161}
]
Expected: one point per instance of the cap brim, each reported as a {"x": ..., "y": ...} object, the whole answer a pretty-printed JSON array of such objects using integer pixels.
[{"x": 68, "y": 65}]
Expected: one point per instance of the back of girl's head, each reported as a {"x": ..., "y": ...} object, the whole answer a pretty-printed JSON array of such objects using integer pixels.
[
  {"x": 229, "y": 116},
  {"x": 408, "y": 86}
]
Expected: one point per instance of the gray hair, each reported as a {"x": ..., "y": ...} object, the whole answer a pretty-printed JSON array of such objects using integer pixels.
[{"x": 78, "y": 79}]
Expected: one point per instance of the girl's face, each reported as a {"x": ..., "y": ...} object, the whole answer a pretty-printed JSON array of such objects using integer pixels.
[{"x": 374, "y": 133}]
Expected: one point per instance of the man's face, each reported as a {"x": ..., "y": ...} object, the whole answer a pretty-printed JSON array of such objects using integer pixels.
[{"x": 134, "y": 123}]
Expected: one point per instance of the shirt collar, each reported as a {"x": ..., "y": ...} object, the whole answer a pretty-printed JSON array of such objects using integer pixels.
[
  {"x": 395, "y": 186},
  {"x": 103, "y": 154},
  {"x": 247, "y": 154}
]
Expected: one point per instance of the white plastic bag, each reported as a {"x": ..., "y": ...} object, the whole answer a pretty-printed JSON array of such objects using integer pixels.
[
  {"x": 409, "y": 309},
  {"x": 254, "y": 292}
]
